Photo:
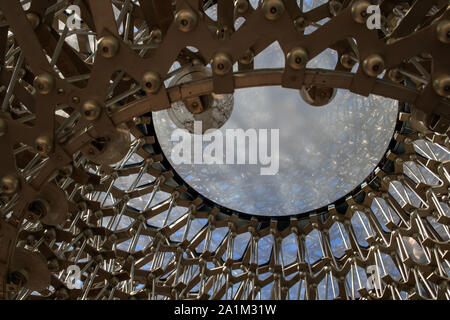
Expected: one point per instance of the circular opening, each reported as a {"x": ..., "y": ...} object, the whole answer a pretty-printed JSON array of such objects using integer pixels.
[
  {"x": 273, "y": 10},
  {"x": 323, "y": 153}
]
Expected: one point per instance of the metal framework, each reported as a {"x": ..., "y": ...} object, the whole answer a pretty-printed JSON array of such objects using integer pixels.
[{"x": 78, "y": 146}]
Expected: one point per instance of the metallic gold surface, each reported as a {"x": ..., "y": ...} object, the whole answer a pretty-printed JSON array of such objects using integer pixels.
[
  {"x": 359, "y": 10},
  {"x": 10, "y": 184},
  {"x": 186, "y": 20},
  {"x": 442, "y": 85},
  {"x": 273, "y": 9},
  {"x": 297, "y": 58},
  {"x": 116, "y": 202},
  {"x": 396, "y": 76},
  {"x": 221, "y": 64},
  {"x": 91, "y": 110},
  {"x": 373, "y": 65},
  {"x": 241, "y": 6},
  {"x": 44, "y": 83},
  {"x": 43, "y": 145},
  {"x": 443, "y": 31},
  {"x": 348, "y": 60},
  {"x": 108, "y": 46},
  {"x": 151, "y": 82},
  {"x": 248, "y": 57}
]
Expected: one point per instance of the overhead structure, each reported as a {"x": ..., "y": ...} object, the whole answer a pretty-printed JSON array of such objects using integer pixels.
[{"x": 86, "y": 185}]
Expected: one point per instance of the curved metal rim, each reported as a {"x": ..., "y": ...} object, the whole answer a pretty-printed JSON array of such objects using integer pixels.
[
  {"x": 268, "y": 77},
  {"x": 265, "y": 218}
]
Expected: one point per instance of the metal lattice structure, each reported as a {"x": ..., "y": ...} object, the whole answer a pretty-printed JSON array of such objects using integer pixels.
[{"x": 78, "y": 147}]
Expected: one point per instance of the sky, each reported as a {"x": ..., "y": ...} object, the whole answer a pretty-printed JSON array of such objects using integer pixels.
[{"x": 325, "y": 152}]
